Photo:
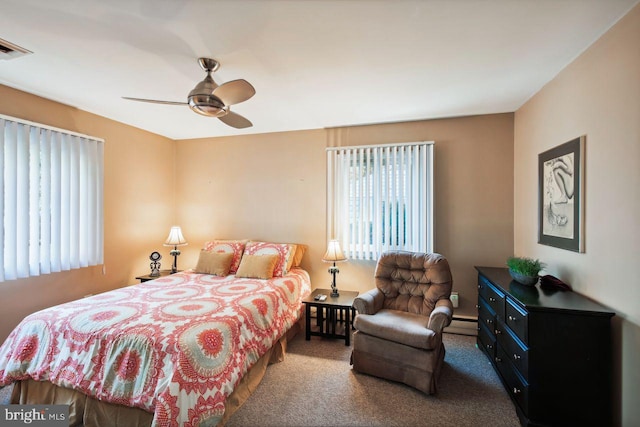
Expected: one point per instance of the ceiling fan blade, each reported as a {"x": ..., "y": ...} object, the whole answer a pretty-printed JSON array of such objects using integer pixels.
[
  {"x": 235, "y": 120},
  {"x": 155, "y": 101},
  {"x": 234, "y": 92}
]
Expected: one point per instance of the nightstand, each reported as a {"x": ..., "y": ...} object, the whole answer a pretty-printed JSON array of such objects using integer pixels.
[
  {"x": 334, "y": 315},
  {"x": 148, "y": 277}
]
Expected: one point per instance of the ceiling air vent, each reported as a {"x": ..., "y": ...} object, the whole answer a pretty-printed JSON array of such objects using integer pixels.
[{"x": 10, "y": 50}]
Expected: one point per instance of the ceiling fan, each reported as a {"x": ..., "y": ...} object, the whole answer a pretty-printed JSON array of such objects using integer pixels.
[{"x": 211, "y": 100}]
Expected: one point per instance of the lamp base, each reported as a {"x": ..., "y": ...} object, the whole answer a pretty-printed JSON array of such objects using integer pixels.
[
  {"x": 175, "y": 252},
  {"x": 334, "y": 289}
]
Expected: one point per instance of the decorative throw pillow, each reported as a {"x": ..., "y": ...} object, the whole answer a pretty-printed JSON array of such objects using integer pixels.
[
  {"x": 214, "y": 263},
  {"x": 297, "y": 257},
  {"x": 285, "y": 252},
  {"x": 257, "y": 266},
  {"x": 236, "y": 247}
]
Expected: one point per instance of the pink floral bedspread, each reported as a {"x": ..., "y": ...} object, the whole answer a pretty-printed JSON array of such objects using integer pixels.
[{"x": 175, "y": 346}]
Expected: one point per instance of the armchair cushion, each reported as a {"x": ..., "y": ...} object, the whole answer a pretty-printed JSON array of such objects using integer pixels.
[{"x": 398, "y": 326}]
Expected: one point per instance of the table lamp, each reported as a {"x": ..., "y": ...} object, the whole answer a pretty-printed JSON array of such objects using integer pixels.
[
  {"x": 334, "y": 254},
  {"x": 175, "y": 239}
]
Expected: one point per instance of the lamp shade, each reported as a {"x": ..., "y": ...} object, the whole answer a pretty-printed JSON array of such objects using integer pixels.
[
  {"x": 334, "y": 252},
  {"x": 175, "y": 237}
]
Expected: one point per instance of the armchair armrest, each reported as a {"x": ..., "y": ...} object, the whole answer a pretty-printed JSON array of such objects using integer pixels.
[
  {"x": 441, "y": 315},
  {"x": 369, "y": 302}
]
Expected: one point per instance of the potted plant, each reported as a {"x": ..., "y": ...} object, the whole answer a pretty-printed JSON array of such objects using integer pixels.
[{"x": 524, "y": 270}]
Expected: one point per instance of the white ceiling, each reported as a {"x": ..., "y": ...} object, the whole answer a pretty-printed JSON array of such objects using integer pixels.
[{"x": 313, "y": 63}]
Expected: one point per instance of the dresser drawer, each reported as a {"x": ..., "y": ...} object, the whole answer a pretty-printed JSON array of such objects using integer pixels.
[
  {"x": 492, "y": 295},
  {"x": 514, "y": 349},
  {"x": 486, "y": 315},
  {"x": 518, "y": 320},
  {"x": 516, "y": 385},
  {"x": 487, "y": 341}
]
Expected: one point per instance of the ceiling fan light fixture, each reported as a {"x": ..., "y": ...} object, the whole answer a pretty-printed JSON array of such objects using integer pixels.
[{"x": 207, "y": 105}]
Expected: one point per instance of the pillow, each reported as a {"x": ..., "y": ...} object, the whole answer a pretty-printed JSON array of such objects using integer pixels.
[
  {"x": 285, "y": 252},
  {"x": 291, "y": 259},
  {"x": 228, "y": 246},
  {"x": 214, "y": 263},
  {"x": 257, "y": 266},
  {"x": 297, "y": 257}
]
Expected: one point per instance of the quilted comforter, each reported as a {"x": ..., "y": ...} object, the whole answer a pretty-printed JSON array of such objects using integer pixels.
[{"x": 175, "y": 346}]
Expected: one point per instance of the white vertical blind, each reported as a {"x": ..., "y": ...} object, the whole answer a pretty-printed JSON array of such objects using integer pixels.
[
  {"x": 46, "y": 143},
  {"x": 381, "y": 198},
  {"x": 34, "y": 202},
  {"x": 51, "y": 201},
  {"x": 56, "y": 201},
  {"x": 22, "y": 203}
]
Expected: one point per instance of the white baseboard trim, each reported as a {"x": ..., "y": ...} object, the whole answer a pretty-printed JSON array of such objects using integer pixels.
[{"x": 463, "y": 325}]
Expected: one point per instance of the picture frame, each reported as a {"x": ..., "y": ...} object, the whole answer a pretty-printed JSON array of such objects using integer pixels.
[{"x": 561, "y": 196}]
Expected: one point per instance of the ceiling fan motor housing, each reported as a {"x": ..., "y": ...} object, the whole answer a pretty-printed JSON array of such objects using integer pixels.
[{"x": 203, "y": 102}]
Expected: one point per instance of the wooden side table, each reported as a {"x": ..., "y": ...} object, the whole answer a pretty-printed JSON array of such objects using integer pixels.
[
  {"x": 334, "y": 315},
  {"x": 147, "y": 277}
]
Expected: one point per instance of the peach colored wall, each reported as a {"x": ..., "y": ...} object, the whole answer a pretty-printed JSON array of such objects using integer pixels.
[
  {"x": 273, "y": 187},
  {"x": 262, "y": 187},
  {"x": 138, "y": 207},
  {"x": 597, "y": 95}
]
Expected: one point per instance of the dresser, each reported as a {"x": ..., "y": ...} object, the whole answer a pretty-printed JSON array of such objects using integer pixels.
[{"x": 551, "y": 349}]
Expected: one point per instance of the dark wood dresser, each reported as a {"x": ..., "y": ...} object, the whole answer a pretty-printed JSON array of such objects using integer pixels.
[{"x": 551, "y": 349}]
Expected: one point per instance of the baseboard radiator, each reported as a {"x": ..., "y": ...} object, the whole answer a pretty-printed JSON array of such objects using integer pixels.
[{"x": 463, "y": 325}]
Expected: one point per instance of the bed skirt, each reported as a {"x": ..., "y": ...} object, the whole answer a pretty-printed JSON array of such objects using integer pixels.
[{"x": 89, "y": 412}]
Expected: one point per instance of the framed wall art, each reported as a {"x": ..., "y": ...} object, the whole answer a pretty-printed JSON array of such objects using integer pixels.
[{"x": 561, "y": 196}]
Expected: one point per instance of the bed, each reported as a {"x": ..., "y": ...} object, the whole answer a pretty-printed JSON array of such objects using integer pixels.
[{"x": 185, "y": 349}]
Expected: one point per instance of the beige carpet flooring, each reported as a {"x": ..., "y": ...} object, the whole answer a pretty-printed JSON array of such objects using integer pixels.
[{"x": 315, "y": 386}]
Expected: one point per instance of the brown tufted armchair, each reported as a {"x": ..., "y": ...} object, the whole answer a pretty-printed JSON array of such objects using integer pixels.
[{"x": 398, "y": 328}]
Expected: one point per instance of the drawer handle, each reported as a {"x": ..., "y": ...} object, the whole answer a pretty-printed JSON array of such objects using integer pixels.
[
  {"x": 492, "y": 299},
  {"x": 479, "y": 286},
  {"x": 516, "y": 390},
  {"x": 513, "y": 319},
  {"x": 489, "y": 321},
  {"x": 489, "y": 346},
  {"x": 516, "y": 356},
  {"x": 477, "y": 306},
  {"x": 498, "y": 360},
  {"x": 497, "y": 331}
]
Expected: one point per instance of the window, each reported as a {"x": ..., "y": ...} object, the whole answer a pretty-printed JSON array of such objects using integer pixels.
[
  {"x": 51, "y": 201},
  {"x": 381, "y": 198}
]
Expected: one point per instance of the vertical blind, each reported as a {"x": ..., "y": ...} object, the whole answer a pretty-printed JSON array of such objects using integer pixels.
[
  {"x": 51, "y": 205},
  {"x": 381, "y": 198}
]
